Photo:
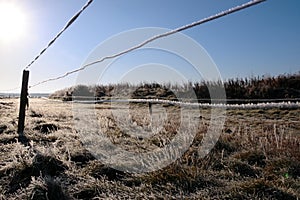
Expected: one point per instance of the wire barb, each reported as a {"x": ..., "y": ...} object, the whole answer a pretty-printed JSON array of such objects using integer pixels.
[
  {"x": 72, "y": 20},
  {"x": 171, "y": 32}
]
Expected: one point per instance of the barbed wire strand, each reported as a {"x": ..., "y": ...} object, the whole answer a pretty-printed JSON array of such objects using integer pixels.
[
  {"x": 71, "y": 21},
  {"x": 222, "y": 104},
  {"x": 187, "y": 99},
  {"x": 171, "y": 32}
]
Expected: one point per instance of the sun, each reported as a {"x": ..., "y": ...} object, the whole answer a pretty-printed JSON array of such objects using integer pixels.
[{"x": 12, "y": 22}]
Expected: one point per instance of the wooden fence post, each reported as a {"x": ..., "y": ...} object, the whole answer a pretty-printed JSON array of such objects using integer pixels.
[{"x": 23, "y": 103}]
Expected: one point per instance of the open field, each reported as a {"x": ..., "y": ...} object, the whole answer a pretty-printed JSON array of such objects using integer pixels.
[{"x": 256, "y": 157}]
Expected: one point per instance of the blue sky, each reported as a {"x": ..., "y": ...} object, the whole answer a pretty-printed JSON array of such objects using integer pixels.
[{"x": 261, "y": 40}]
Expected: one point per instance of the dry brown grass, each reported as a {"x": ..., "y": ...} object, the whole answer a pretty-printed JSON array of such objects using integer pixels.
[{"x": 256, "y": 157}]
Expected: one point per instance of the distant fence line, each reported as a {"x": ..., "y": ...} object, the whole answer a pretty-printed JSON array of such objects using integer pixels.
[
  {"x": 189, "y": 100},
  {"x": 266, "y": 105}
]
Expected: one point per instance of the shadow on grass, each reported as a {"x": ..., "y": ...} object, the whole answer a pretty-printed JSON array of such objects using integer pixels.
[{"x": 41, "y": 166}]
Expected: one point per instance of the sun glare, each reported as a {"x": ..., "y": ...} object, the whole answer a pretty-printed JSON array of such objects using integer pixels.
[{"x": 12, "y": 22}]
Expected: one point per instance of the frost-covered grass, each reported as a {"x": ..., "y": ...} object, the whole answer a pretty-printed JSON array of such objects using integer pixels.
[{"x": 256, "y": 157}]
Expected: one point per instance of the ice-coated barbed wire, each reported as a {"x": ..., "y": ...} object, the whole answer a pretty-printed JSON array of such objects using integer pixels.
[
  {"x": 190, "y": 100},
  {"x": 171, "y": 32},
  {"x": 71, "y": 21},
  {"x": 266, "y": 105}
]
